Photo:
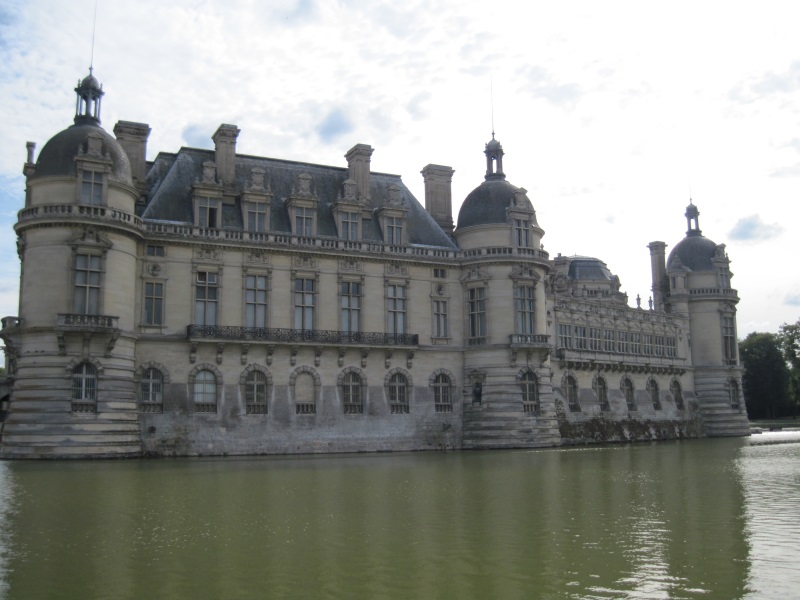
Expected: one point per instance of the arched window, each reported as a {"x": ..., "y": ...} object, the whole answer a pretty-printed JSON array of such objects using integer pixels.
[
  {"x": 677, "y": 393},
  {"x": 652, "y": 391},
  {"x": 150, "y": 388},
  {"x": 571, "y": 393},
  {"x": 530, "y": 393},
  {"x": 601, "y": 391},
  {"x": 627, "y": 391},
  {"x": 398, "y": 393},
  {"x": 84, "y": 388},
  {"x": 733, "y": 391},
  {"x": 351, "y": 394},
  {"x": 255, "y": 393},
  {"x": 442, "y": 398},
  {"x": 305, "y": 394},
  {"x": 205, "y": 392}
]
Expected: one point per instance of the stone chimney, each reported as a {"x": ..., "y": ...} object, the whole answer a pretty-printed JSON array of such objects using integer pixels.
[
  {"x": 358, "y": 158},
  {"x": 658, "y": 268},
  {"x": 225, "y": 152},
  {"x": 438, "y": 194},
  {"x": 133, "y": 139}
]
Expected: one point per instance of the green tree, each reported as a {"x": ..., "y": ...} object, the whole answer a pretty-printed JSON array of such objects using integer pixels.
[
  {"x": 789, "y": 340},
  {"x": 766, "y": 376}
]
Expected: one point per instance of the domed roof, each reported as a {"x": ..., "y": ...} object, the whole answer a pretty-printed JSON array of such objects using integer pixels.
[
  {"x": 487, "y": 204},
  {"x": 695, "y": 252},
  {"x": 586, "y": 268},
  {"x": 90, "y": 81},
  {"x": 57, "y": 157}
]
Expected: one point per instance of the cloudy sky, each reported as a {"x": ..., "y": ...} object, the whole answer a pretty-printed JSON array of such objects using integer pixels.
[{"x": 611, "y": 113}]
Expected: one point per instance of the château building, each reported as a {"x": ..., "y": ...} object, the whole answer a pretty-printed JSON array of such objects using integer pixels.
[{"x": 213, "y": 303}]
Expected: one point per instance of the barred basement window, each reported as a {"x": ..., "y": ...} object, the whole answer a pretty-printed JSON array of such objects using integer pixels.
[
  {"x": 84, "y": 388},
  {"x": 398, "y": 394},
  {"x": 255, "y": 393},
  {"x": 150, "y": 388},
  {"x": 627, "y": 391},
  {"x": 652, "y": 391},
  {"x": 530, "y": 394},
  {"x": 205, "y": 392},
  {"x": 601, "y": 390},
  {"x": 442, "y": 399},
  {"x": 677, "y": 393},
  {"x": 351, "y": 390},
  {"x": 571, "y": 392}
]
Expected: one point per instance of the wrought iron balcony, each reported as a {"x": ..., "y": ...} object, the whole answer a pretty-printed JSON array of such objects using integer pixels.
[{"x": 311, "y": 336}]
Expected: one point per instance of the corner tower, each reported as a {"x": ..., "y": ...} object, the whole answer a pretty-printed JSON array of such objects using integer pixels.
[
  {"x": 699, "y": 283},
  {"x": 72, "y": 343}
]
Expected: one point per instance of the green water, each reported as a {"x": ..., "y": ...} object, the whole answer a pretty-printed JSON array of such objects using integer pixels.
[{"x": 696, "y": 519}]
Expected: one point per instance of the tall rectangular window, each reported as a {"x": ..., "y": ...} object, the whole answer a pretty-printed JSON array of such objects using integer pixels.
[
  {"x": 564, "y": 335},
  {"x": 729, "y": 339},
  {"x": 87, "y": 284},
  {"x": 659, "y": 349},
  {"x": 594, "y": 339},
  {"x": 647, "y": 344},
  {"x": 304, "y": 221},
  {"x": 609, "y": 338},
  {"x": 671, "y": 347},
  {"x": 349, "y": 225},
  {"x": 256, "y": 216},
  {"x": 396, "y": 306},
  {"x": 476, "y": 306},
  {"x": 622, "y": 342},
  {"x": 205, "y": 298},
  {"x": 92, "y": 188},
  {"x": 525, "y": 309},
  {"x": 394, "y": 231},
  {"x": 207, "y": 212},
  {"x": 255, "y": 301},
  {"x": 350, "y": 298},
  {"x": 521, "y": 233},
  {"x": 580, "y": 337},
  {"x": 636, "y": 347},
  {"x": 440, "y": 318},
  {"x": 304, "y": 304},
  {"x": 153, "y": 303}
]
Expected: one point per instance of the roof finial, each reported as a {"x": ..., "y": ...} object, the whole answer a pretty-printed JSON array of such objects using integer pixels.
[
  {"x": 491, "y": 98},
  {"x": 94, "y": 29}
]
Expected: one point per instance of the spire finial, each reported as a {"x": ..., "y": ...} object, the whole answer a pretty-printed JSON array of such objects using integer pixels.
[
  {"x": 491, "y": 98},
  {"x": 94, "y": 29}
]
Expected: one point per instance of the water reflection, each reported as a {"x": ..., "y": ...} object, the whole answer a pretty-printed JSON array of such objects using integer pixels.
[{"x": 668, "y": 520}]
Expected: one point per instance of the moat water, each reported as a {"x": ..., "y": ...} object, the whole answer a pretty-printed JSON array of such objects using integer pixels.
[{"x": 690, "y": 519}]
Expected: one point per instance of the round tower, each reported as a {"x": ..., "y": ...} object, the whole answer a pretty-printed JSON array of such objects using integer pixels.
[
  {"x": 699, "y": 278},
  {"x": 506, "y": 358},
  {"x": 73, "y": 344}
]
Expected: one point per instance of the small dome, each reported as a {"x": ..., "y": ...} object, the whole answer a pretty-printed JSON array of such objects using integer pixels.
[
  {"x": 586, "y": 268},
  {"x": 57, "y": 157},
  {"x": 696, "y": 252},
  {"x": 487, "y": 204},
  {"x": 90, "y": 81}
]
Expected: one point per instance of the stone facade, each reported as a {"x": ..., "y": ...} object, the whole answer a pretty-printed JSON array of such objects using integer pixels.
[{"x": 210, "y": 303}]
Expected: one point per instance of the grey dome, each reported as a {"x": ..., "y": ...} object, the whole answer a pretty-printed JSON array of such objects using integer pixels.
[
  {"x": 585, "y": 268},
  {"x": 696, "y": 252},
  {"x": 90, "y": 81},
  {"x": 57, "y": 157},
  {"x": 487, "y": 204}
]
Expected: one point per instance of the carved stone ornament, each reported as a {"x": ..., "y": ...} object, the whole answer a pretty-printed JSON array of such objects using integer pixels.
[
  {"x": 394, "y": 198},
  {"x": 208, "y": 253},
  {"x": 351, "y": 265},
  {"x": 257, "y": 180},
  {"x": 302, "y": 188},
  {"x": 209, "y": 172},
  {"x": 396, "y": 269},
  {"x": 305, "y": 262},
  {"x": 350, "y": 191},
  {"x": 256, "y": 257}
]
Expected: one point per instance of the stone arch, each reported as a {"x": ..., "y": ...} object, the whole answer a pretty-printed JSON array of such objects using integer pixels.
[
  {"x": 628, "y": 389},
  {"x": 205, "y": 367},
  {"x": 98, "y": 367},
  {"x": 565, "y": 376},
  {"x": 305, "y": 369},
  {"x": 253, "y": 367},
  {"x": 139, "y": 372},
  {"x": 357, "y": 371},
  {"x": 444, "y": 372},
  {"x": 395, "y": 371},
  {"x": 653, "y": 391},
  {"x": 524, "y": 371},
  {"x": 676, "y": 391},
  {"x": 600, "y": 389}
]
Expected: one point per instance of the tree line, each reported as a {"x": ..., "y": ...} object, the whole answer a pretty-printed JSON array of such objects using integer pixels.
[{"x": 771, "y": 380}]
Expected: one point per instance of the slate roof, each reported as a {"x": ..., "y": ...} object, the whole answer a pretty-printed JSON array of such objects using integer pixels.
[
  {"x": 171, "y": 176},
  {"x": 695, "y": 252}
]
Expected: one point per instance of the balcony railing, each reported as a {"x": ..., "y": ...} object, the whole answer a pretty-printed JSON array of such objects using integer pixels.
[
  {"x": 530, "y": 339},
  {"x": 315, "y": 336},
  {"x": 88, "y": 321}
]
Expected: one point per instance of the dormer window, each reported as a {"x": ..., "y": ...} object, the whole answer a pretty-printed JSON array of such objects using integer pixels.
[
  {"x": 303, "y": 221},
  {"x": 348, "y": 225},
  {"x": 207, "y": 212},
  {"x": 92, "y": 188},
  {"x": 522, "y": 233},
  {"x": 394, "y": 230},
  {"x": 256, "y": 215}
]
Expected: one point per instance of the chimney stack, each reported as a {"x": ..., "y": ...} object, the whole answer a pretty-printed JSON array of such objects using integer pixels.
[
  {"x": 225, "y": 153},
  {"x": 438, "y": 194},
  {"x": 659, "y": 271},
  {"x": 133, "y": 139},
  {"x": 358, "y": 158}
]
